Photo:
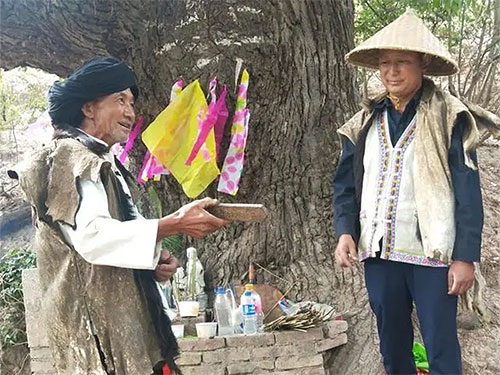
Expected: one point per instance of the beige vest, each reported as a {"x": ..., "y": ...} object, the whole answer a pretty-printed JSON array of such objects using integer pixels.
[
  {"x": 388, "y": 208},
  {"x": 79, "y": 299}
]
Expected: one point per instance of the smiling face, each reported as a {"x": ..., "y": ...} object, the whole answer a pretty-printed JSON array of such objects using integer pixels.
[
  {"x": 110, "y": 118},
  {"x": 401, "y": 72}
]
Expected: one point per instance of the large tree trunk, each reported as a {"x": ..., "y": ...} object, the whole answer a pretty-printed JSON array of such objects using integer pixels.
[{"x": 300, "y": 92}]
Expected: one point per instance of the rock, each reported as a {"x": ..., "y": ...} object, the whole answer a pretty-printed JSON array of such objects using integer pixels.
[{"x": 468, "y": 320}]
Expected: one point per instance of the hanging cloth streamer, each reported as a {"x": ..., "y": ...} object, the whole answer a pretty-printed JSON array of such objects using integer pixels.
[
  {"x": 215, "y": 119},
  {"x": 171, "y": 135},
  {"x": 233, "y": 164},
  {"x": 220, "y": 123},
  {"x": 123, "y": 156},
  {"x": 152, "y": 168},
  {"x": 176, "y": 90},
  {"x": 143, "y": 173}
]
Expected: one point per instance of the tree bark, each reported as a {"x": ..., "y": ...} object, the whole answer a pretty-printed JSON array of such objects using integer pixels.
[{"x": 300, "y": 92}]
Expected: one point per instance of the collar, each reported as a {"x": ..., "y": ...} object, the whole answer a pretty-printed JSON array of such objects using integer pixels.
[
  {"x": 96, "y": 145},
  {"x": 427, "y": 90},
  {"x": 93, "y": 138},
  {"x": 108, "y": 155},
  {"x": 385, "y": 102}
]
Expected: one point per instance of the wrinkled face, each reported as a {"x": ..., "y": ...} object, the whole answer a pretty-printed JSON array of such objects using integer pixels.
[
  {"x": 401, "y": 72},
  {"x": 112, "y": 117}
]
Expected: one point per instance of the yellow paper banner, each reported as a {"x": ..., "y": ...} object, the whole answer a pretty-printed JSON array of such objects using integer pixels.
[{"x": 170, "y": 138}]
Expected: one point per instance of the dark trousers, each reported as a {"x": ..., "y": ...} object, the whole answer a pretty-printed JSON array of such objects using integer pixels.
[{"x": 392, "y": 289}]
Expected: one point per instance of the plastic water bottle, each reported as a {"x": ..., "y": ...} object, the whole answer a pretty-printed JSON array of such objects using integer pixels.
[
  {"x": 258, "y": 310},
  {"x": 256, "y": 297},
  {"x": 223, "y": 312},
  {"x": 248, "y": 311}
]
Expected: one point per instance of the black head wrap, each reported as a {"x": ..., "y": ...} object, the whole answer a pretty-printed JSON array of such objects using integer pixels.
[{"x": 97, "y": 77}]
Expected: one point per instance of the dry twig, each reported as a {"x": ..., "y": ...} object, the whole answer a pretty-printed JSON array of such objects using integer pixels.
[{"x": 300, "y": 321}]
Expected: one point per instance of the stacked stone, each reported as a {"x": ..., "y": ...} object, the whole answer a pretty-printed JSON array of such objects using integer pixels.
[
  {"x": 279, "y": 353},
  {"x": 41, "y": 359}
]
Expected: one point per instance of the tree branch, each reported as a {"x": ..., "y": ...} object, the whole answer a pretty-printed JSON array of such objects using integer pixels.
[{"x": 367, "y": 3}]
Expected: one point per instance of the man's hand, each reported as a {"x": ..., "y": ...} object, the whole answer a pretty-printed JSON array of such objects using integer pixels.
[
  {"x": 460, "y": 277},
  {"x": 167, "y": 265},
  {"x": 192, "y": 220},
  {"x": 346, "y": 252}
]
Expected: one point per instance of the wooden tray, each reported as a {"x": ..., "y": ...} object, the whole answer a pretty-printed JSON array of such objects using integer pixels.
[{"x": 239, "y": 212}]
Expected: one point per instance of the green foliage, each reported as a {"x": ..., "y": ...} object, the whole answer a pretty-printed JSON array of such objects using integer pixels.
[
  {"x": 469, "y": 29},
  {"x": 443, "y": 17},
  {"x": 12, "y": 323},
  {"x": 155, "y": 199},
  {"x": 22, "y": 96},
  {"x": 172, "y": 243},
  {"x": 9, "y": 111}
]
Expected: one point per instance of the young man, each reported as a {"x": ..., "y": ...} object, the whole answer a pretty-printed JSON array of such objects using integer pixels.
[
  {"x": 97, "y": 257},
  {"x": 407, "y": 198}
]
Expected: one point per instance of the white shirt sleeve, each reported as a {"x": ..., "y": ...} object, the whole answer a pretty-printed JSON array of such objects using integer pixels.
[{"x": 102, "y": 240}]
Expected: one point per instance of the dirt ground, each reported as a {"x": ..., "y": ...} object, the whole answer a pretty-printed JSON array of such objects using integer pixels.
[{"x": 480, "y": 345}]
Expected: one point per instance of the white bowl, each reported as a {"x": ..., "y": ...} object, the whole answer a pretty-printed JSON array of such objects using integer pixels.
[
  {"x": 178, "y": 330},
  {"x": 206, "y": 330},
  {"x": 189, "y": 308}
]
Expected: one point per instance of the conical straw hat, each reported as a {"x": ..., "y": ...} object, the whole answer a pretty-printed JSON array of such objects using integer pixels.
[{"x": 406, "y": 33}]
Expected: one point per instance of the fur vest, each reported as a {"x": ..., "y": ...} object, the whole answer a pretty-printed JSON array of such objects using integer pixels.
[{"x": 99, "y": 318}]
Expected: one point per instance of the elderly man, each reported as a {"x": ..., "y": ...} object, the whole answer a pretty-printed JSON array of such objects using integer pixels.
[
  {"x": 407, "y": 197},
  {"x": 98, "y": 259}
]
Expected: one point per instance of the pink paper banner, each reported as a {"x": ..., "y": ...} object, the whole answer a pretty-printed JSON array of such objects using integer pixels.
[
  {"x": 233, "y": 164},
  {"x": 215, "y": 115},
  {"x": 123, "y": 156}
]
